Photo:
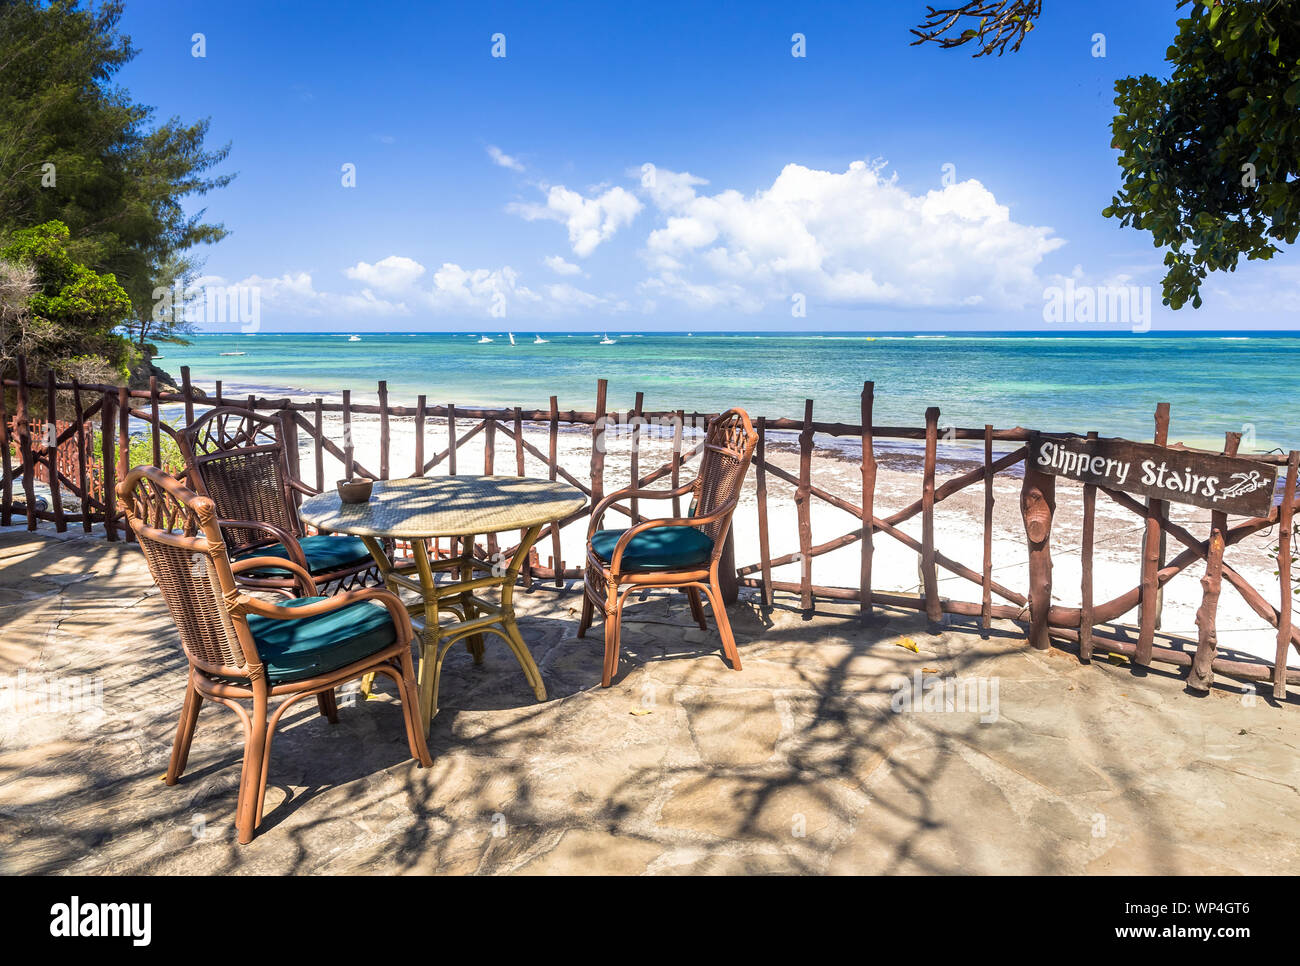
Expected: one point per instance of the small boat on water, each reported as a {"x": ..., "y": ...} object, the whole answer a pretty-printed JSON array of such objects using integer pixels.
[
  {"x": 512, "y": 337},
  {"x": 354, "y": 338},
  {"x": 538, "y": 340},
  {"x": 607, "y": 340},
  {"x": 484, "y": 339},
  {"x": 232, "y": 353}
]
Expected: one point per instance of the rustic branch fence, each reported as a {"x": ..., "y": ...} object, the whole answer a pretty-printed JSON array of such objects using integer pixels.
[{"x": 100, "y": 419}]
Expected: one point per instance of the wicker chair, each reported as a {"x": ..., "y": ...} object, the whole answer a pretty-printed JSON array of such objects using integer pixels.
[
  {"x": 237, "y": 459},
  {"x": 678, "y": 552},
  {"x": 244, "y": 649}
]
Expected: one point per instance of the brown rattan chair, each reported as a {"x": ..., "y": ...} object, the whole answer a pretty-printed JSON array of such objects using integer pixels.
[
  {"x": 237, "y": 459},
  {"x": 676, "y": 552},
  {"x": 243, "y": 649}
]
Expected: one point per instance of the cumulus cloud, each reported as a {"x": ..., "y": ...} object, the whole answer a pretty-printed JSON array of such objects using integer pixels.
[
  {"x": 559, "y": 266},
  {"x": 394, "y": 273},
  {"x": 590, "y": 221},
  {"x": 849, "y": 238},
  {"x": 503, "y": 159}
]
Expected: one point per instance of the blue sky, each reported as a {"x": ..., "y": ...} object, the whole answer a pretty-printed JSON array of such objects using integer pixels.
[{"x": 516, "y": 184}]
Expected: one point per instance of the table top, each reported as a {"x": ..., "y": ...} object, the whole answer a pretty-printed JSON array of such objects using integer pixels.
[{"x": 445, "y": 506}]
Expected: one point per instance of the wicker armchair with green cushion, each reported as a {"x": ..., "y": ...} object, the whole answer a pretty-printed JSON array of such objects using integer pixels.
[
  {"x": 241, "y": 649},
  {"x": 236, "y": 458},
  {"x": 682, "y": 552}
]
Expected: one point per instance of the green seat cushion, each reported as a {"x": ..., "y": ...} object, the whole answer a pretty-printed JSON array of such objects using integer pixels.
[
  {"x": 302, "y": 648},
  {"x": 660, "y": 548},
  {"x": 324, "y": 553}
]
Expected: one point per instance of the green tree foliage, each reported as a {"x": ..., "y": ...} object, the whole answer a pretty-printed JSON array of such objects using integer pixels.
[
  {"x": 75, "y": 148},
  {"x": 1210, "y": 157},
  {"x": 70, "y": 307}
]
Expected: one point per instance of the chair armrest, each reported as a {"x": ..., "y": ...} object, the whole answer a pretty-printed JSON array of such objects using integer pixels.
[
  {"x": 396, "y": 609},
  {"x": 303, "y": 488},
  {"x": 640, "y": 494},
  {"x": 301, "y": 577},
  {"x": 286, "y": 540},
  {"x": 720, "y": 513}
]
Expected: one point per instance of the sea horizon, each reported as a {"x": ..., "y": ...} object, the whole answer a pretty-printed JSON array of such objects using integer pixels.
[{"x": 1215, "y": 380}]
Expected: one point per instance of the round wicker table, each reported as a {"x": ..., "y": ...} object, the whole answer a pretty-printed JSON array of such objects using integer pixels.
[{"x": 421, "y": 509}]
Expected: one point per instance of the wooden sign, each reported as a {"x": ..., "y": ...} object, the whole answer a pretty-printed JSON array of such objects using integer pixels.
[{"x": 1225, "y": 483}]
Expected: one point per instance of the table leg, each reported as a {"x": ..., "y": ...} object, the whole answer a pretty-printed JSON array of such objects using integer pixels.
[
  {"x": 516, "y": 640},
  {"x": 429, "y": 637},
  {"x": 474, "y": 643}
]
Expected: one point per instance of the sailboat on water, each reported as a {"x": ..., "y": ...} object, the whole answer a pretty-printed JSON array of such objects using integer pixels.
[
  {"x": 538, "y": 340},
  {"x": 512, "y": 337},
  {"x": 607, "y": 340}
]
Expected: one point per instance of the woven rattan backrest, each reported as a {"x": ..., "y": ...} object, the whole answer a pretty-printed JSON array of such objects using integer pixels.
[
  {"x": 177, "y": 532},
  {"x": 728, "y": 448},
  {"x": 240, "y": 463}
]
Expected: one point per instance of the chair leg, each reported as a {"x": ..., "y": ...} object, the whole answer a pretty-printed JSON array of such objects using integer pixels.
[
  {"x": 613, "y": 625},
  {"x": 697, "y": 608},
  {"x": 328, "y": 705},
  {"x": 184, "y": 734},
  {"x": 724, "y": 625},
  {"x": 252, "y": 781},
  {"x": 409, "y": 694},
  {"x": 588, "y": 610}
]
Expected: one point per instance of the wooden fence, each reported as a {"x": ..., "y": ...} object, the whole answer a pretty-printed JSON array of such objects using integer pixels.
[{"x": 115, "y": 409}]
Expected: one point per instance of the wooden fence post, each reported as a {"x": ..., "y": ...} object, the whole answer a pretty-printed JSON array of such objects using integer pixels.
[
  {"x": 1037, "y": 504},
  {"x": 155, "y": 419},
  {"x": 23, "y": 429},
  {"x": 598, "y": 443},
  {"x": 383, "y": 430},
  {"x": 6, "y": 463},
  {"x": 124, "y": 445},
  {"x": 419, "y": 435},
  {"x": 108, "y": 464},
  {"x": 349, "y": 452},
  {"x": 986, "y": 573},
  {"x": 760, "y": 472},
  {"x": 1285, "y": 515},
  {"x": 1149, "y": 608},
  {"x": 802, "y": 500},
  {"x": 929, "y": 571},
  {"x": 318, "y": 425},
  {"x": 451, "y": 439},
  {"x": 553, "y": 441},
  {"x": 52, "y": 451},
  {"x": 1201, "y": 674},
  {"x": 1085, "y": 589},
  {"x": 83, "y": 477},
  {"x": 868, "y": 501},
  {"x": 188, "y": 390}
]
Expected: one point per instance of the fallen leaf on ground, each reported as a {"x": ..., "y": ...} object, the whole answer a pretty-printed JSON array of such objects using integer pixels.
[
  {"x": 908, "y": 643},
  {"x": 640, "y": 711},
  {"x": 929, "y": 670}
]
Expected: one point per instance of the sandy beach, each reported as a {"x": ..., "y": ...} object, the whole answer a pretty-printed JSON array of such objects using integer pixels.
[{"x": 958, "y": 519}]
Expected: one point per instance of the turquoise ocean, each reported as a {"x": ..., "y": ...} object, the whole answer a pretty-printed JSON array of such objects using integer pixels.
[{"x": 1215, "y": 382}]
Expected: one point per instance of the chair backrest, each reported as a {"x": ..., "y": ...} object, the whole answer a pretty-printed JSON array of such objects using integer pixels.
[
  {"x": 181, "y": 541},
  {"x": 238, "y": 461},
  {"x": 728, "y": 447}
]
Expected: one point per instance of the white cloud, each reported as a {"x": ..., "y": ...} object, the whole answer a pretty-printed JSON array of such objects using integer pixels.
[
  {"x": 503, "y": 159},
  {"x": 590, "y": 221},
  {"x": 849, "y": 238},
  {"x": 394, "y": 273},
  {"x": 559, "y": 266}
]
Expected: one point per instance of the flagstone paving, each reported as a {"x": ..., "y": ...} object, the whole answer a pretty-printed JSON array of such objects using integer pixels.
[{"x": 801, "y": 763}]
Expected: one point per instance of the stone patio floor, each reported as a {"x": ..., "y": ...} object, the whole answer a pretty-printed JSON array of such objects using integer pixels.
[{"x": 798, "y": 764}]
